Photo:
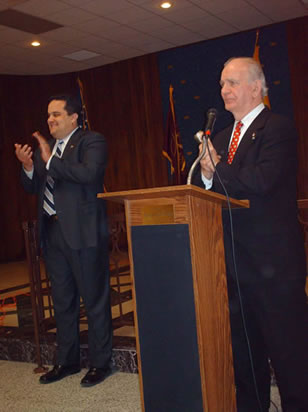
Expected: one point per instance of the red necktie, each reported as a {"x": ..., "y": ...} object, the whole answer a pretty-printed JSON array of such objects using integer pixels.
[{"x": 234, "y": 141}]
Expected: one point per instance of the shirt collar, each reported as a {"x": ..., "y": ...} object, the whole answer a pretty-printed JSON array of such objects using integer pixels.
[
  {"x": 66, "y": 139},
  {"x": 250, "y": 117}
]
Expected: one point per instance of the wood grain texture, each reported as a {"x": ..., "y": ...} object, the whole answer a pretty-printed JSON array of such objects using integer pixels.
[
  {"x": 211, "y": 302},
  {"x": 124, "y": 103},
  {"x": 132, "y": 274},
  {"x": 171, "y": 192},
  {"x": 202, "y": 211}
]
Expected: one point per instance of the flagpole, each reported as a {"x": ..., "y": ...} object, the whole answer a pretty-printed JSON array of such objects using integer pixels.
[
  {"x": 256, "y": 57},
  {"x": 85, "y": 119}
]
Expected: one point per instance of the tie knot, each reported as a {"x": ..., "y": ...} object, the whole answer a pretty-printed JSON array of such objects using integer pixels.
[
  {"x": 239, "y": 125},
  {"x": 59, "y": 148}
]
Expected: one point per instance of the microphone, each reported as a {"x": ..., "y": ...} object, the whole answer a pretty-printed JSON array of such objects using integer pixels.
[{"x": 211, "y": 118}]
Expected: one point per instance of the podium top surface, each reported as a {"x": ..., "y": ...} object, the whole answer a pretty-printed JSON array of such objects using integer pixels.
[{"x": 170, "y": 192}]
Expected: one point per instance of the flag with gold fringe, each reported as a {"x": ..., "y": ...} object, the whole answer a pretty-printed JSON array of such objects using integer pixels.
[
  {"x": 173, "y": 149},
  {"x": 256, "y": 56}
]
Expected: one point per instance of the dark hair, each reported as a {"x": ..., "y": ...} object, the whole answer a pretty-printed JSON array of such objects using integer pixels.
[{"x": 72, "y": 104}]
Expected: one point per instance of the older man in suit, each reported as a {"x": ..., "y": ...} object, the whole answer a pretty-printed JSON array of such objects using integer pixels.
[
  {"x": 66, "y": 173},
  {"x": 255, "y": 159}
]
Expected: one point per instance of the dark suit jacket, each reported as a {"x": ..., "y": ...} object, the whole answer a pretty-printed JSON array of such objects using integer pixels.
[
  {"x": 78, "y": 178},
  {"x": 268, "y": 241}
]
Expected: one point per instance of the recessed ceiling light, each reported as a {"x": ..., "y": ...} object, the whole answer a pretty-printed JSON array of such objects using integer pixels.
[
  {"x": 35, "y": 43},
  {"x": 166, "y": 5}
]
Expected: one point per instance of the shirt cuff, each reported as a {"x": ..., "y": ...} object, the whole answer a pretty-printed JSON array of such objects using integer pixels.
[
  {"x": 207, "y": 183},
  {"x": 29, "y": 173}
]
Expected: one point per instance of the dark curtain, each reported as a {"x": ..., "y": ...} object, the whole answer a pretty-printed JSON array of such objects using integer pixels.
[
  {"x": 123, "y": 102},
  {"x": 297, "y": 49}
]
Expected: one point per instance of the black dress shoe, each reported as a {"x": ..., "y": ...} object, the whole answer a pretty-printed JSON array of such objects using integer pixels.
[
  {"x": 95, "y": 375},
  {"x": 59, "y": 372}
]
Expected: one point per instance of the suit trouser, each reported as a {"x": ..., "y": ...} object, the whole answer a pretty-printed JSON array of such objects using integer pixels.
[
  {"x": 75, "y": 273},
  {"x": 276, "y": 317}
]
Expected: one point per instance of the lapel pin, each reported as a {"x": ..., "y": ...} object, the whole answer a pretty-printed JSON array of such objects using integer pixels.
[
  {"x": 253, "y": 137},
  {"x": 72, "y": 146}
]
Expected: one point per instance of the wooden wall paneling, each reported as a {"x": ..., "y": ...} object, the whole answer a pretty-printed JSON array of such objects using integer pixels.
[
  {"x": 124, "y": 103},
  {"x": 123, "y": 99},
  {"x": 297, "y": 35}
]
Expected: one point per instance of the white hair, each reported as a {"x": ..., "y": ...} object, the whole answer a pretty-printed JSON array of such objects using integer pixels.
[{"x": 255, "y": 71}]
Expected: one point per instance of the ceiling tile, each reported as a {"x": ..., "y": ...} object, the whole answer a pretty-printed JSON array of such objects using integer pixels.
[
  {"x": 100, "y": 61},
  {"x": 93, "y": 43},
  {"x": 9, "y": 35},
  {"x": 154, "y": 6},
  {"x": 17, "y": 53},
  {"x": 52, "y": 48},
  {"x": 75, "y": 3},
  {"x": 155, "y": 45},
  {"x": 219, "y": 6},
  {"x": 210, "y": 27},
  {"x": 71, "y": 16},
  {"x": 41, "y": 8},
  {"x": 104, "y": 7},
  {"x": 119, "y": 51},
  {"x": 245, "y": 18},
  {"x": 81, "y": 55},
  {"x": 176, "y": 34},
  {"x": 141, "y": 41},
  {"x": 129, "y": 15},
  {"x": 273, "y": 4},
  {"x": 286, "y": 13},
  {"x": 149, "y": 25},
  {"x": 25, "y": 22},
  {"x": 64, "y": 34},
  {"x": 121, "y": 33},
  {"x": 186, "y": 14},
  {"x": 97, "y": 26},
  {"x": 120, "y": 29},
  {"x": 11, "y": 3},
  {"x": 70, "y": 65},
  {"x": 140, "y": 2}
]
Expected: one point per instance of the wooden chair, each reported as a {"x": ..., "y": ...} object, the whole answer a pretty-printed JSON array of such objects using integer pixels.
[{"x": 121, "y": 289}]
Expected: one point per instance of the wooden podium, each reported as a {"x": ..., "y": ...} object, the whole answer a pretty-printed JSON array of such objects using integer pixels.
[{"x": 176, "y": 251}]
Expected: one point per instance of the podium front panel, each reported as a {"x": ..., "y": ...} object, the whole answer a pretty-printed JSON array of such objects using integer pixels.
[{"x": 165, "y": 307}]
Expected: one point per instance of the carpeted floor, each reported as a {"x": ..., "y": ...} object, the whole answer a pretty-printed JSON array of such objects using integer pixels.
[{"x": 21, "y": 392}]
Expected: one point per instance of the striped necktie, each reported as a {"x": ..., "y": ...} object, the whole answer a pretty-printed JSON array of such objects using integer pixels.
[
  {"x": 234, "y": 141},
  {"x": 49, "y": 205}
]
